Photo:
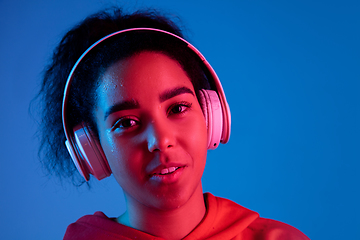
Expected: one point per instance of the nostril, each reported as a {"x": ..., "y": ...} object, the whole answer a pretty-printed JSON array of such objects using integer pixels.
[{"x": 159, "y": 138}]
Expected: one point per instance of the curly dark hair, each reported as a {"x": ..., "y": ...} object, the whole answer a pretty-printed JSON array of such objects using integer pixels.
[{"x": 52, "y": 151}]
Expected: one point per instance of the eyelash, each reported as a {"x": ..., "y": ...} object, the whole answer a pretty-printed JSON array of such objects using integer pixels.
[
  {"x": 182, "y": 104},
  {"x": 119, "y": 124},
  {"x": 132, "y": 122}
]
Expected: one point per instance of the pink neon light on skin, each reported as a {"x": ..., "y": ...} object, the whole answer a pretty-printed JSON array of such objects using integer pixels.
[{"x": 151, "y": 134}]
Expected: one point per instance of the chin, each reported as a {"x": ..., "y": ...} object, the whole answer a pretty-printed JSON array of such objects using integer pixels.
[
  {"x": 172, "y": 200},
  {"x": 168, "y": 203}
]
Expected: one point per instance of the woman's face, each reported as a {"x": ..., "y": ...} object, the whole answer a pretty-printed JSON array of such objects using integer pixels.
[{"x": 152, "y": 130}]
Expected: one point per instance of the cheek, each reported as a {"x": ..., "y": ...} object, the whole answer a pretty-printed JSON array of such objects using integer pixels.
[
  {"x": 116, "y": 155},
  {"x": 198, "y": 129},
  {"x": 125, "y": 159},
  {"x": 194, "y": 137}
]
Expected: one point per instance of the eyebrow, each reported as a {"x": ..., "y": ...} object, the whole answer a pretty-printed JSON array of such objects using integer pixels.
[
  {"x": 175, "y": 92},
  {"x": 125, "y": 105},
  {"x": 133, "y": 104}
]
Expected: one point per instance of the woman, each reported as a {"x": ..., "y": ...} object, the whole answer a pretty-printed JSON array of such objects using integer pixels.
[{"x": 143, "y": 104}]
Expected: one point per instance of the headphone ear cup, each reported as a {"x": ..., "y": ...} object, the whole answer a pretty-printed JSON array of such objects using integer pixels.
[
  {"x": 204, "y": 108},
  {"x": 211, "y": 106},
  {"x": 90, "y": 158},
  {"x": 76, "y": 161}
]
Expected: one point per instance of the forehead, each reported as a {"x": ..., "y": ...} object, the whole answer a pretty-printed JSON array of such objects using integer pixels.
[{"x": 141, "y": 75}]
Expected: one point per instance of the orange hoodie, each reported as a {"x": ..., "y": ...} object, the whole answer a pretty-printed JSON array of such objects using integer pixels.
[{"x": 224, "y": 219}]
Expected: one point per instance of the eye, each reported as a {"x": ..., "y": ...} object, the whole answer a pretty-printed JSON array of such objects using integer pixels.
[
  {"x": 125, "y": 123},
  {"x": 179, "y": 108}
]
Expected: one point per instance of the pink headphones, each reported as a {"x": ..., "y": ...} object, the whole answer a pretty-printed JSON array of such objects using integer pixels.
[{"x": 85, "y": 149}]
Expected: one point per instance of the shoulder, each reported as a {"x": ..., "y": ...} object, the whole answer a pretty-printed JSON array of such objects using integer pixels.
[
  {"x": 96, "y": 219},
  {"x": 99, "y": 226},
  {"x": 89, "y": 227},
  {"x": 248, "y": 223},
  {"x": 264, "y": 228}
]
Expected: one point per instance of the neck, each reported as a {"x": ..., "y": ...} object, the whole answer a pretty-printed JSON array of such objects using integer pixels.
[{"x": 168, "y": 224}]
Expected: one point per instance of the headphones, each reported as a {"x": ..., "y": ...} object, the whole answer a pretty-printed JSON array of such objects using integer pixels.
[{"x": 84, "y": 147}]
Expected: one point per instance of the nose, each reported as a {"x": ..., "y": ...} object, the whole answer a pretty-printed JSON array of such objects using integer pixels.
[{"x": 160, "y": 137}]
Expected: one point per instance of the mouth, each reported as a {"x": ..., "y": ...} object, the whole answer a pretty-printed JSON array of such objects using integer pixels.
[
  {"x": 167, "y": 175},
  {"x": 166, "y": 171}
]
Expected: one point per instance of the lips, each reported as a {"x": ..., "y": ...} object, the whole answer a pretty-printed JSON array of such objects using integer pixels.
[
  {"x": 167, "y": 170},
  {"x": 167, "y": 174}
]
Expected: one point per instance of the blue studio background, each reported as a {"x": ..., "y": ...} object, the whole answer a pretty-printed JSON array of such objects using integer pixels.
[{"x": 290, "y": 70}]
